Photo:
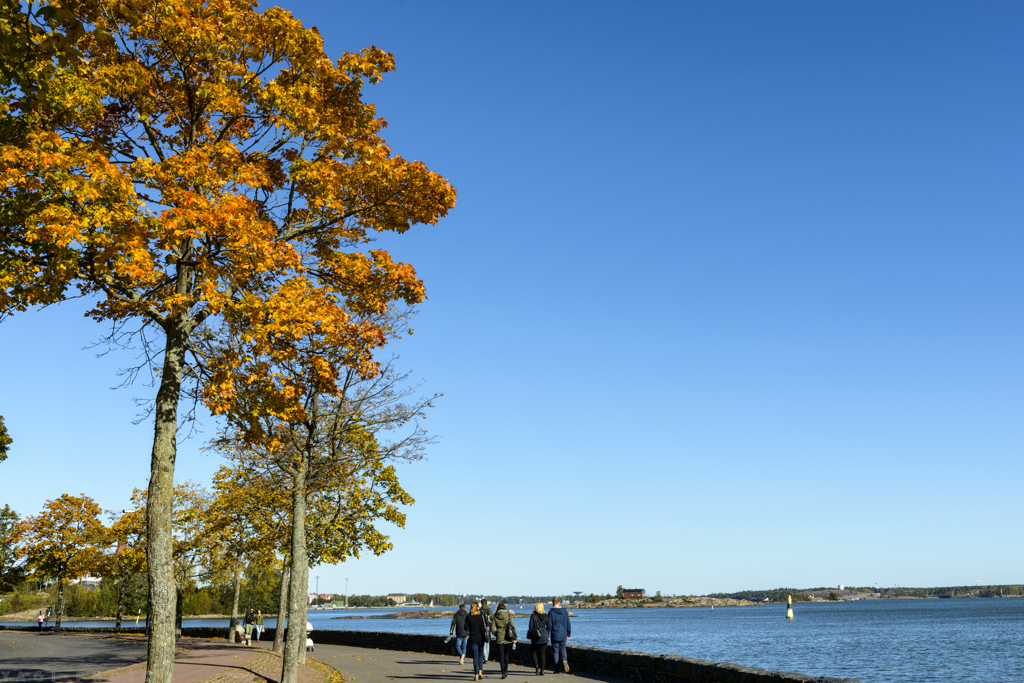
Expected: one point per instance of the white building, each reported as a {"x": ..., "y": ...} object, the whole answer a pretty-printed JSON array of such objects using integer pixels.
[{"x": 89, "y": 583}]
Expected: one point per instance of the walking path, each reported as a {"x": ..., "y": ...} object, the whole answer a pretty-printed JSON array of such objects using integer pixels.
[
  {"x": 378, "y": 666},
  {"x": 53, "y": 657}
]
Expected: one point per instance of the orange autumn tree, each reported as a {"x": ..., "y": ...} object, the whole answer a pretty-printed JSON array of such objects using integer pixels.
[
  {"x": 128, "y": 532},
  {"x": 64, "y": 542},
  {"x": 196, "y": 165}
]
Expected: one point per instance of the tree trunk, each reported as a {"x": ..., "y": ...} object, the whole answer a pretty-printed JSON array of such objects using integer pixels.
[
  {"x": 120, "y": 604},
  {"x": 60, "y": 604},
  {"x": 302, "y": 617},
  {"x": 159, "y": 502},
  {"x": 179, "y": 604},
  {"x": 282, "y": 610},
  {"x": 234, "y": 608},
  {"x": 296, "y": 590}
]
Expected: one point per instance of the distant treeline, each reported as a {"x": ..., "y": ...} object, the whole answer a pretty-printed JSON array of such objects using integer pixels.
[
  {"x": 450, "y": 600},
  {"x": 802, "y": 594}
]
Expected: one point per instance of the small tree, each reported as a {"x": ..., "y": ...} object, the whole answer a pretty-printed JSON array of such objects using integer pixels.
[
  {"x": 333, "y": 454},
  {"x": 244, "y": 537},
  {"x": 11, "y": 572},
  {"x": 193, "y": 545},
  {"x": 65, "y": 541},
  {"x": 833, "y": 596},
  {"x": 5, "y": 440},
  {"x": 128, "y": 532}
]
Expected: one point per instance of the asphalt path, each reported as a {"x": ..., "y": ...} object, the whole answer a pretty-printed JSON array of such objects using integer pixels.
[
  {"x": 367, "y": 665},
  {"x": 49, "y": 656}
]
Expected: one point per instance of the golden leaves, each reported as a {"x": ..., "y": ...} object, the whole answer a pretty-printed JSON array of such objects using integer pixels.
[
  {"x": 65, "y": 540},
  {"x": 223, "y": 169}
]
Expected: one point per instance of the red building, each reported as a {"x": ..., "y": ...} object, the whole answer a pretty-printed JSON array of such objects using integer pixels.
[{"x": 633, "y": 593}]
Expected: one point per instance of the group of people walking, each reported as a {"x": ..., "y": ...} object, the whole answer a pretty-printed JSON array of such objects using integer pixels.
[
  {"x": 476, "y": 628},
  {"x": 253, "y": 621}
]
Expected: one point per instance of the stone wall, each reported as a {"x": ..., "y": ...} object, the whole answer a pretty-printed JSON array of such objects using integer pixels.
[{"x": 637, "y": 667}]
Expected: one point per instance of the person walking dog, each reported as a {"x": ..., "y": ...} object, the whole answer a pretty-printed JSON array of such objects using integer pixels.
[
  {"x": 537, "y": 632},
  {"x": 459, "y": 631},
  {"x": 561, "y": 632},
  {"x": 478, "y": 635},
  {"x": 506, "y": 636}
]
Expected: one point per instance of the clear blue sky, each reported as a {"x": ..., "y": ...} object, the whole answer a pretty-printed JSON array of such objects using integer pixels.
[{"x": 731, "y": 299}]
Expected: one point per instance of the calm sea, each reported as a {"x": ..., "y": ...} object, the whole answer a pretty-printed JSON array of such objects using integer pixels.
[{"x": 881, "y": 641}]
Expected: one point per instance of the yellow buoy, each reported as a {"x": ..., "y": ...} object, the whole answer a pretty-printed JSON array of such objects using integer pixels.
[{"x": 789, "y": 609}]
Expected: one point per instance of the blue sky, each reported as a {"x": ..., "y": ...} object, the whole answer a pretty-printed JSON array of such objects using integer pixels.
[{"x": 731, "y": 299}]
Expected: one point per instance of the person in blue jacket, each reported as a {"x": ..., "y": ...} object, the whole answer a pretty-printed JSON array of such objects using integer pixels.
[{"x": 561, "y": 632}]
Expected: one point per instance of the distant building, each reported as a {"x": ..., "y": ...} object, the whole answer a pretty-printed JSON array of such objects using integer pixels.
[
  {"x": 89, "y": 583},
  {"x": 840, "y": 586},
  {"x": 634, "y": 593},
  {"x": 399, "y": 598}
]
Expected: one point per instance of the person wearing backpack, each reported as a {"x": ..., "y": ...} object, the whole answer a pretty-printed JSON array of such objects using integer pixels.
[
  {"x": 459, "y": 631},
  {"x": 488, "y": 616},
  {"x": 561, "y": 631},
  {"x": 537, "y": 632},
  {"x": 506, "y": 636}
]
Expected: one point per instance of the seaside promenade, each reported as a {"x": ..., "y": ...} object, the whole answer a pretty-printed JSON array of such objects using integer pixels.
[{"x": 51, "y": 657}]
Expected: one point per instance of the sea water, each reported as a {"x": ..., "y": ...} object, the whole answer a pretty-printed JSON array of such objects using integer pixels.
[{"x": 978, "y": 640}]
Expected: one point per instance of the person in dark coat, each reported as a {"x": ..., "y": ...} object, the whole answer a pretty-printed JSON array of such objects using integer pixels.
[
  {"x": 537, "y": 632},
  {"x": 460, "y": 632},
  {"x": 506, "y": 636},
  {"x": 250, "y": 620},
  {"x": 488, "y": 616},
  {"x": 478, "y": 635},
  {"x": 561, "y": 631}
]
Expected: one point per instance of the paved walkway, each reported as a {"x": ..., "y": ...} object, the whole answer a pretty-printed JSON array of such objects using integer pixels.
[
  {"x": 53, "y": 657},
  {"x": 377, "y": 666},
  {"x": 50, "y": 657}
]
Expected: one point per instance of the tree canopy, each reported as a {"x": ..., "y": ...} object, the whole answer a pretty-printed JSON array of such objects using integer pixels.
[{"x": 64, "y": 541}]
